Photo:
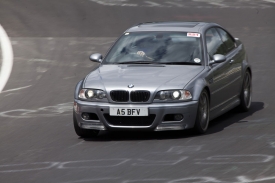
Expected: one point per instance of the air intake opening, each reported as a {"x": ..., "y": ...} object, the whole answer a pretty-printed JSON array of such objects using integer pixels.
[{"x": 130, "y": 120}]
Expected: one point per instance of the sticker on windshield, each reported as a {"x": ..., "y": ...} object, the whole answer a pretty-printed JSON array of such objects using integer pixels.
[
  {"x": 192, "y": 34},
  {"x": 197, "y": 60},
  {"x": 127, "y": 33}
]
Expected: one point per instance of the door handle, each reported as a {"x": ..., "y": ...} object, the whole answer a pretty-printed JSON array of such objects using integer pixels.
[{"x": 231, "y": 61}]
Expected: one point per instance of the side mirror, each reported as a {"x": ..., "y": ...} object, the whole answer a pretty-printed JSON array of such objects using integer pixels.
[
  {"x": 96, "y": 57},
  {"x": 217, "y": 58}
]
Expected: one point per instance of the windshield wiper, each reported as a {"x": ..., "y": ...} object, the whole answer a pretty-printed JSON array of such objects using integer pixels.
[
  {"x": 137, "y": 62},
  {"x": 180, "y": 63}
]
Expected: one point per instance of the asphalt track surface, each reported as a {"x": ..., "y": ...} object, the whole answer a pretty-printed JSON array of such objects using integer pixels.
[{"x": 52, "y": 41}]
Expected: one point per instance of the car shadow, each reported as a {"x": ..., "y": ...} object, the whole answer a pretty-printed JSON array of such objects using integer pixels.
[
  {"x": 215, "y": 126},
  {"x": 233, "y": 116}
]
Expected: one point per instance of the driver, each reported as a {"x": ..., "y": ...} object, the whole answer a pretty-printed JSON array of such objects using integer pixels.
[
  {"x": 152, "y": 47},
  {"x": 145, "y": 47}
]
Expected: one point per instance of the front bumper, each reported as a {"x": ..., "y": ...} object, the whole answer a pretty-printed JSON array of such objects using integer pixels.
[{"x": 187, "y": 109}]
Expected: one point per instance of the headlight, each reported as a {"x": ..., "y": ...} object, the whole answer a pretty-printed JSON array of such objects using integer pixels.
[
  {"x": 91, "y": 94},
  {"x": 174, "y": 95},
  {"x": 100, "y": 94}
]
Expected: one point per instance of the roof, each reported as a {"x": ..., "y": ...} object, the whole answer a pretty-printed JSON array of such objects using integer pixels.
[{"x": 168, "y": 26}]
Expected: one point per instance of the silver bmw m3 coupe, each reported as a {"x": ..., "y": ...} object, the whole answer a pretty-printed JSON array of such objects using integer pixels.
[{"x": 164, "y": 76}]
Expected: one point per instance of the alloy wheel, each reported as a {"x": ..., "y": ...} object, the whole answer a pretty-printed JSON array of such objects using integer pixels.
[
  {"x": 203, "y": 111},
  {"x": 247, "y": 90}
]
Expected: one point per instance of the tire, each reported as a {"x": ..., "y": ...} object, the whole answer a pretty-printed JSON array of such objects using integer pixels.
[
  {"x": 84, "y": 133},
  {"x": 202, "y": 118},
  {"x": 245, "y": 96}
]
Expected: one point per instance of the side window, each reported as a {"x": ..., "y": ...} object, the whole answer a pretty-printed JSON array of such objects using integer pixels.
[
  {"x": 227, "y": 39},
  {"x": 214, "y": 43}
]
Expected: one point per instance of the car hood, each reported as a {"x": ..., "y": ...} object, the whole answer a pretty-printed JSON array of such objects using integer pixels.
[{"x": 109, "y": 77}]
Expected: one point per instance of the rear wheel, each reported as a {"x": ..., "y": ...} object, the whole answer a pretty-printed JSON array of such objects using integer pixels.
[
  {"x": 202, "y": 119},
  {"x": 85, "y": 133},
  {"x": 245, "y": 96}
]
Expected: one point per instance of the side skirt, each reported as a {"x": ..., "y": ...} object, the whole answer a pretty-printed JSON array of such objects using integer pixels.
[{"x": 218, "y": 112}]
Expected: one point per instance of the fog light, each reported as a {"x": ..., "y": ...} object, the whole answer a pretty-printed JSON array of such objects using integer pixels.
[
  {"x": 178, "y": 117},
  {"x": 85, "y": 116}
]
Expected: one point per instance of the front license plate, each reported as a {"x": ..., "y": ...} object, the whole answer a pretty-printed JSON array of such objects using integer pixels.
[{"x": 117, "y": 111}]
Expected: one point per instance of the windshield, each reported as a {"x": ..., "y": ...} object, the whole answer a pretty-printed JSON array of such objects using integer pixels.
[{"x": 156, "y": 48}]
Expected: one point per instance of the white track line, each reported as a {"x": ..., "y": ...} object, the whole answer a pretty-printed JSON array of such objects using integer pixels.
[
  {"x": 7, "y": 58},
  {"x": 270, "y": 1},
  {"x": 14, "y": 89}
]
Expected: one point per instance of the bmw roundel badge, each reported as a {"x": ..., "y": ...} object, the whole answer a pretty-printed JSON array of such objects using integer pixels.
[{"x": 130, "y": 86}]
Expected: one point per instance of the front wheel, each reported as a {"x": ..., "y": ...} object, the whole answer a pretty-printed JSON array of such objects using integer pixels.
[
  {"x": 84, "y": 133},
  {"x": 246, "y": 93},
  {"x": 202, "y": 118}
]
